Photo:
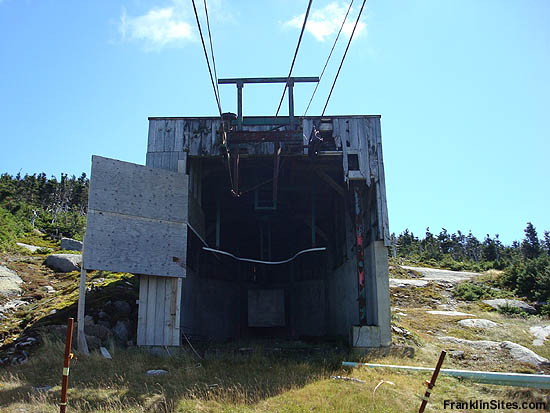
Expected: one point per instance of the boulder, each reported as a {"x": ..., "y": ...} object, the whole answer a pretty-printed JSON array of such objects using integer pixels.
[
  {"x": 9, "y": 282},
  {"x": 120, "y": 331},
  {"x": 477, "y": 323},
  {"x": 32, "y": 248},
  {"x": 499, "y": 303},
  {"x": 515, "y": 351},
  {"x": 94, "y": 343},
  {"x": 540, "y": 333},
  {"x": 98, "y": 331},
  {"x": 64, "y": 262},
  {"x": 122, "y": 308},
  {"x": 71, "y": 244}
]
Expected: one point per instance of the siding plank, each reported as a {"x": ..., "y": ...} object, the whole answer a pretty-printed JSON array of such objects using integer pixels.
[
  {"x": 158, "y": 325},
  {"x": 142, "y": 309},
  {"x": 151, "y": 308}
]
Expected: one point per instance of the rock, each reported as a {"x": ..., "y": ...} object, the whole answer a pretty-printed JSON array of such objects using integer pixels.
[
  {"x": 505, "y": 302},
  {"x": 94, "y": 343},
  {"x": 523, "y": 354},
  {"x": 515, "y": 351},
  {"x": 120, "y": 331},
  {"x": 9, "y": 282},
  {"x": 104, "y": 323},
  {"x": 98, "y": 331},
  {"x": 449, "y": 313},
  {"x": 156, "y": 372},
  {"x": 49, "y": 289},
  {"x": 11, "y": 305},
  {"x": 400, "y": 283},
  {"x": 71, "y": 244},
  {"x": 44, "y": 389},
  {"x": 122, "y": 308},
  {"x": 540, "y": 333},
  {"x": 105, "y": 353},
  {"x": 32, "y": 248},
  {"x": 456, "y": 354},
  {"x": 401, "y": 331},
  {"x": 477, "y": 323},
  {"x": 64, "y": 262}
]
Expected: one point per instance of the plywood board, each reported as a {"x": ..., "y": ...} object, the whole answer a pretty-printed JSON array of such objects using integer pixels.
[
  {"x": 137, "y": 219},
  {"x": 266, "y": 307}
]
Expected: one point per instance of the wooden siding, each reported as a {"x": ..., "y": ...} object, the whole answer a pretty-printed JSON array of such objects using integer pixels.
[
  {"x": 172, "y": 139},
  {"x": 159, "y": 311}
]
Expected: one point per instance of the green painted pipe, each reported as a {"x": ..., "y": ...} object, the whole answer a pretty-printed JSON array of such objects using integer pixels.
[{"x": 538, "y": 381}]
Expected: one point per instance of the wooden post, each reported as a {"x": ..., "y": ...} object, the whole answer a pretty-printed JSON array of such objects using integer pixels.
[
  {"x": 431, "y": 383},
  {"x": 66, "y": 363},
  {"x": 81, "y": 337}
]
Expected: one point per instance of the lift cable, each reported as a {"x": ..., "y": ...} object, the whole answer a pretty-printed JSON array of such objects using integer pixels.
[
  {"x": 328, "y": 58},
  {"x": 344, "y": 57},
  {"x": 295, "y": 54},
  {"x": 214, "y": 84},
  {"x": 207, "y": 60},
  {"x": 212, "y": 51}
]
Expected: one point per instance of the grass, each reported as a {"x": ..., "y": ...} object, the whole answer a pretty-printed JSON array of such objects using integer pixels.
[{"x": 257, "y": 382}]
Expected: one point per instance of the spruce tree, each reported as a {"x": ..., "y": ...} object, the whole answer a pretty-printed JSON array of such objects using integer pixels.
[{"x": 530, "y": 247}]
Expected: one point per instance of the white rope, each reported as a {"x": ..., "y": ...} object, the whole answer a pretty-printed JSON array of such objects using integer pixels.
[{"x": 264, "y": 262}]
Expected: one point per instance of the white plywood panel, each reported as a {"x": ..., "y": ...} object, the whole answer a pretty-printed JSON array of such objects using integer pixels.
[
  {"x": 137, "y": 219},
  {"x": 137, "y": 190}
]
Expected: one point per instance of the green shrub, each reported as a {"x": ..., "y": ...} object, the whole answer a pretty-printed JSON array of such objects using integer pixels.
[
  {"x": 469, "y": 291},
  {"x": 545, "y": 310},
  {"x": 512, "y": 311},
  {"x": 10, "y": 229}
]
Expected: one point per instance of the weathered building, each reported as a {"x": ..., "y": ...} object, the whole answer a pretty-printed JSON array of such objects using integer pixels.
[{"x": 307, "y": 231}]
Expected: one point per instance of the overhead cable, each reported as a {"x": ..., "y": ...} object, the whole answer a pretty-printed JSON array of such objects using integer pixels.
[
  {"x": 344, "y": 57},
  {"x": 295, "y": 54},
  {"x": 207, "y": 60},
  {"x": 212, "y": 51},
  {"x": 328, "y": 58}
]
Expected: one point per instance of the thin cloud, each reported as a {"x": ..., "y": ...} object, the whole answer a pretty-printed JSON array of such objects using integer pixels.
[
  {"x": 158, "y": 28},
  {"x": 325, "y": 22}
]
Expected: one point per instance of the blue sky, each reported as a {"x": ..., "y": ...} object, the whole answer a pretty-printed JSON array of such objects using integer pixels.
[{"x": 462, "y": 86}]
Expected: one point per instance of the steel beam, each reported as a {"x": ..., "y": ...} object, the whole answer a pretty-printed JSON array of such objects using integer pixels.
[{"x": 265, "y": 80}]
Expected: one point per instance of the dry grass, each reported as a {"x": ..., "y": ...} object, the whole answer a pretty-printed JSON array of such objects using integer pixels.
[{"x": 231, "y": 383}]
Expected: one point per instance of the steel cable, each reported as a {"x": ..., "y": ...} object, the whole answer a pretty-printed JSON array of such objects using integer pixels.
[
  {"x": 206, "y": 56},
  {"x": 295, "y": 54},
  {"x": 344, "y": 57},
  {"x": 328, "y": 58}
]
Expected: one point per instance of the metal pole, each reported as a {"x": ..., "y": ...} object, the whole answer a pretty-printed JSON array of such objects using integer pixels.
[
  {"x": 240, "y": 105},
  {"x": 431, "y": 383},
  {"x": 66, "y": 363},
  {"x": 291, "y": 102}
]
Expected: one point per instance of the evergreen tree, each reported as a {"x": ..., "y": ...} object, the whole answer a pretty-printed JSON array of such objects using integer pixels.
[{"x": 530, "y": 247}]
